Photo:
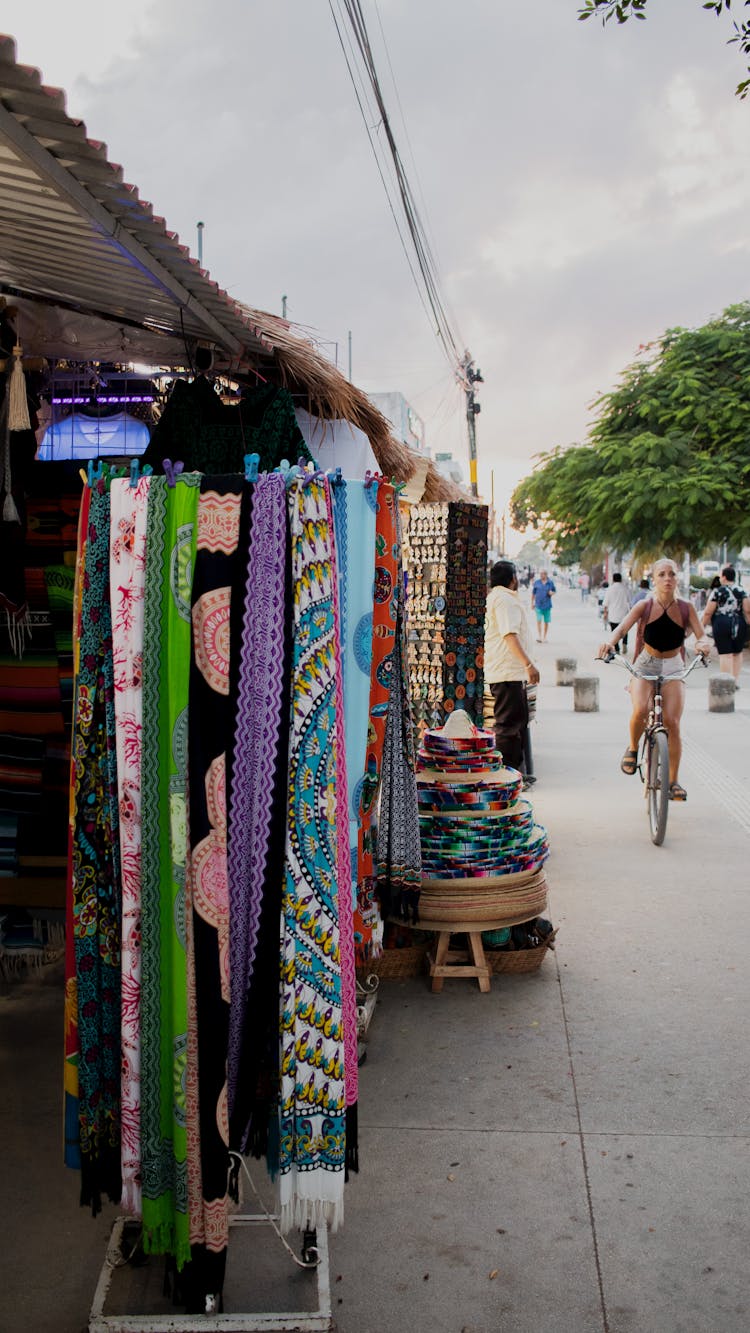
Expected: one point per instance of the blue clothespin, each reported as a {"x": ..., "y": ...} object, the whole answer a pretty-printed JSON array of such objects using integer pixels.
[
  {"x": 287, "y": 472},
  {"x": 251, "y": 462},
  {"x": 172, "y": 470},
  {"x": 134, "y": 470},
  {"x": 338, "y": 478},
  {"x": 95, "y": 470}
]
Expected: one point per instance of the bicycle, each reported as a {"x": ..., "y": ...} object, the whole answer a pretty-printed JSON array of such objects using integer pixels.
[{"x": 653, "y": 755}]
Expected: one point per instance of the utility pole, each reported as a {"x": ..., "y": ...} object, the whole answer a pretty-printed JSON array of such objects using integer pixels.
[
  {"x": 472, "y": 376},
  {"x": 283, "y": 307}
]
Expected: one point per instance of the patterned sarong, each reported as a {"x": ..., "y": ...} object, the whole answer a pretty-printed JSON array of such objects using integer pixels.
[
  {"x": 96, "y": 873},
  {"x": 312, "y": 1127},
  {"x": 170, "y": 552},
  {"x": 354, "y": 506},
  {"x": 368, "y": 927},
  {"x": 398, "y": 842},
  {"x": 72, "y": 1049},
  {"x": 210, "y": 739},
  {"x": 127, "y": 574},
  {"x": 257, "y": 730},
  {"x": 344, "y": 866}
]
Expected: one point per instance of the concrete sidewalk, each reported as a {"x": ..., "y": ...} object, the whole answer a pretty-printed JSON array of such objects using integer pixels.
[
  {"x": 568, "y": 1154},
  {"x": 582, "y": 1132}
]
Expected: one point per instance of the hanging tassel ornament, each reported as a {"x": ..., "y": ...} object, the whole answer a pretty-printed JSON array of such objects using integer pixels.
[
  {"x": 10, "y": 512},
  {"x": 18, "y": 409}
]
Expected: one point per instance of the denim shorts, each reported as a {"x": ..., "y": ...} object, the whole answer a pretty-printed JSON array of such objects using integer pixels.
[{"x": 646, "y": 665}]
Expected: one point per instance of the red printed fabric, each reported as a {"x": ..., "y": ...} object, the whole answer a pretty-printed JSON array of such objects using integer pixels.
[{"x": 368, "y": 926}]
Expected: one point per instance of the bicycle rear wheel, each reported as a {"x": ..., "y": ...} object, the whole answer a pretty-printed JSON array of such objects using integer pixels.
[{"x": 658, "y": 786}]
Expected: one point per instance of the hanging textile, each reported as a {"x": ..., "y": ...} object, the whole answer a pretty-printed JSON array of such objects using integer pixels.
[
  {"x": 354, "y": 506},
  {"x": 210, "y": 739},
  {"x": 72, "y": 1045},
  {"x": 399, "y": 853},
  {"x": 344, "y": 872},
  {"x": 205, "y": 434},
  {"x": 262, "y": 701},
  {"x": 127, "y": 554},
  {"x": 170, "y": 552},
  {"x": 368, "y": 927},
  {"x": 96, "y": 874},
  {"x": 312, "y": 1144}
]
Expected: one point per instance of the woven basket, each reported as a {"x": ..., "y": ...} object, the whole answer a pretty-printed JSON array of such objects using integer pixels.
[
  {"x": 518, "y": 960},
  {"x": 406, "y": 962}
]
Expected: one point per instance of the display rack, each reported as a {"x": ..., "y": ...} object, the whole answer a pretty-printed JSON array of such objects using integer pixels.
[{"x": 293, "y": 1321}]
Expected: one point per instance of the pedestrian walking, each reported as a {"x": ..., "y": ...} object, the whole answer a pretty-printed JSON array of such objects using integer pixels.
[
  {"x": 728, "y": 614},
  {"x": 641, "y": 592},
  {"x": 584, "y": 583},
  {"x": 542, "y": 592},
  {"x": 508, "y": 664},
  {"x": 615, "y": 607}
]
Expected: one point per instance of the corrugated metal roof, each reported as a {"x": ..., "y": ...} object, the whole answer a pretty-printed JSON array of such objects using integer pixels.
[{"x": 73, "y": 232}]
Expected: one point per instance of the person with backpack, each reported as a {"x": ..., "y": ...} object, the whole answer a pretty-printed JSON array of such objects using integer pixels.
[
  {"x": 663, "y": 622},
  {"x": 728, "y": 613}
]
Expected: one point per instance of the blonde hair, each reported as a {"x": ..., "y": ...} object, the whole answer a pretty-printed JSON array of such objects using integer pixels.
[{"x": 665, "y": 560}]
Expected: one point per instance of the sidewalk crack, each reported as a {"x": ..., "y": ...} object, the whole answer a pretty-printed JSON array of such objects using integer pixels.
[{"x": 584, "y": 1159}]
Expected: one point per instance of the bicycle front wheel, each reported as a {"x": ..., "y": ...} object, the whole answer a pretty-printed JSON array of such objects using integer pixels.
[{"x": 658, "y": 786}]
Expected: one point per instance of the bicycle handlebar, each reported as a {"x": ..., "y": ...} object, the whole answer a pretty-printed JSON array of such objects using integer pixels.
[{"x": 616, "y": 657}]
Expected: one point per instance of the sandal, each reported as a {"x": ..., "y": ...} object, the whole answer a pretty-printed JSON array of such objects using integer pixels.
[
  {"x": 629, "y": 762},
  {"x": 676, "y": 792}
]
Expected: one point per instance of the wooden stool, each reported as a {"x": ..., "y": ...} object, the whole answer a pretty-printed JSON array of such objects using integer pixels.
[
  {"x": 446, "y": 962},
  {"x": 469, "y": 962}
]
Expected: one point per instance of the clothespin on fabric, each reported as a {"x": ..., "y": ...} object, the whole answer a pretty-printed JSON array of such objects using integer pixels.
[
  {"x": 83, "y": 476},
  {"x": 172, "y": 471},
  {"x": 335, "y": 477},
  {"x": 94, "y": 471},
  {"x": 251, "y": 462},
  {"x": 135, "y": 465},
  {"x": 288, "y": 473}
]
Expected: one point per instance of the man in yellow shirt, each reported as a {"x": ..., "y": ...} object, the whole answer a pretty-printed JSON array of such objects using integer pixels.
[{"x": 508, "y": 666}]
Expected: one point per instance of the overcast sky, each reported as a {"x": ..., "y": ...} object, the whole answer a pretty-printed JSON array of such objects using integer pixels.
[{"x": 584, "y": 188}]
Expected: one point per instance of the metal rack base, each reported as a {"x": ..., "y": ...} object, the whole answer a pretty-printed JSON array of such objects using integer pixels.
[{"x": 296, "y": 1321}]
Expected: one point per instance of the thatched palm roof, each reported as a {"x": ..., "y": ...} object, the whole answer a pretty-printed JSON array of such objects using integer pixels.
[{"x": 330, "y": 395}]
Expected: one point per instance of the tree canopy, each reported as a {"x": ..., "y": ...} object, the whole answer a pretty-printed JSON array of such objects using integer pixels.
[
  {"x": 667, "y": 462},
  {"x": 623, "y": 10}
]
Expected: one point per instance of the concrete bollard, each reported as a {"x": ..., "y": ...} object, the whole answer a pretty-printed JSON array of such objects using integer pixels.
[
  {"x": 586, "y": 694},
  {"x": 721, "y": 692},
  {"x": 566, "y": 669}
]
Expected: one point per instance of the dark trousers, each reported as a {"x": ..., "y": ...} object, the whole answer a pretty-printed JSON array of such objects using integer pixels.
[
  {"x": 511, "y": 718},
  {"x": 623, "y": 642}
]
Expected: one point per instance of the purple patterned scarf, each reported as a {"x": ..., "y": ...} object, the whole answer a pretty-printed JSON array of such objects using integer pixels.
[{"x": 256, "y": 742}]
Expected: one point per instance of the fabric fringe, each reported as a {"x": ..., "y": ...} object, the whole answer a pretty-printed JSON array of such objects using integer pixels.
[
  {"x": 310, "y": 1214},
  {"x": 19, "y": 626}
]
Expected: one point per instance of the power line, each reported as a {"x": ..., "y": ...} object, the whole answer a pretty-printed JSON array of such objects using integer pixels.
[
  {"x": 360, "y": 63},
  {"x": 429, "y": 292}
]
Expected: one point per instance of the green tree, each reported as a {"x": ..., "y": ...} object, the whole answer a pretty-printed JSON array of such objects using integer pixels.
[
  {"x": 667, "y": 462},
  {"x": 623, "y": 10}
]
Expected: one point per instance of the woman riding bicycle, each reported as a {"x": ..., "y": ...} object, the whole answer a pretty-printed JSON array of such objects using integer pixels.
[{"x": 664, "y": 622}]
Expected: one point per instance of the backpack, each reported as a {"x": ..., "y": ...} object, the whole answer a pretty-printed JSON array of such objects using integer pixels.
[{"x": 735, "y": 619}]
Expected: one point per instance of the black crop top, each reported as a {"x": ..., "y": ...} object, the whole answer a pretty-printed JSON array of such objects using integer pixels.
[{"x": 664, "y": 634}]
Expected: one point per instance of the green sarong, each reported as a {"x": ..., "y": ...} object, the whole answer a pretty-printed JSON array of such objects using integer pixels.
[{"x": 170, "y": 555}]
